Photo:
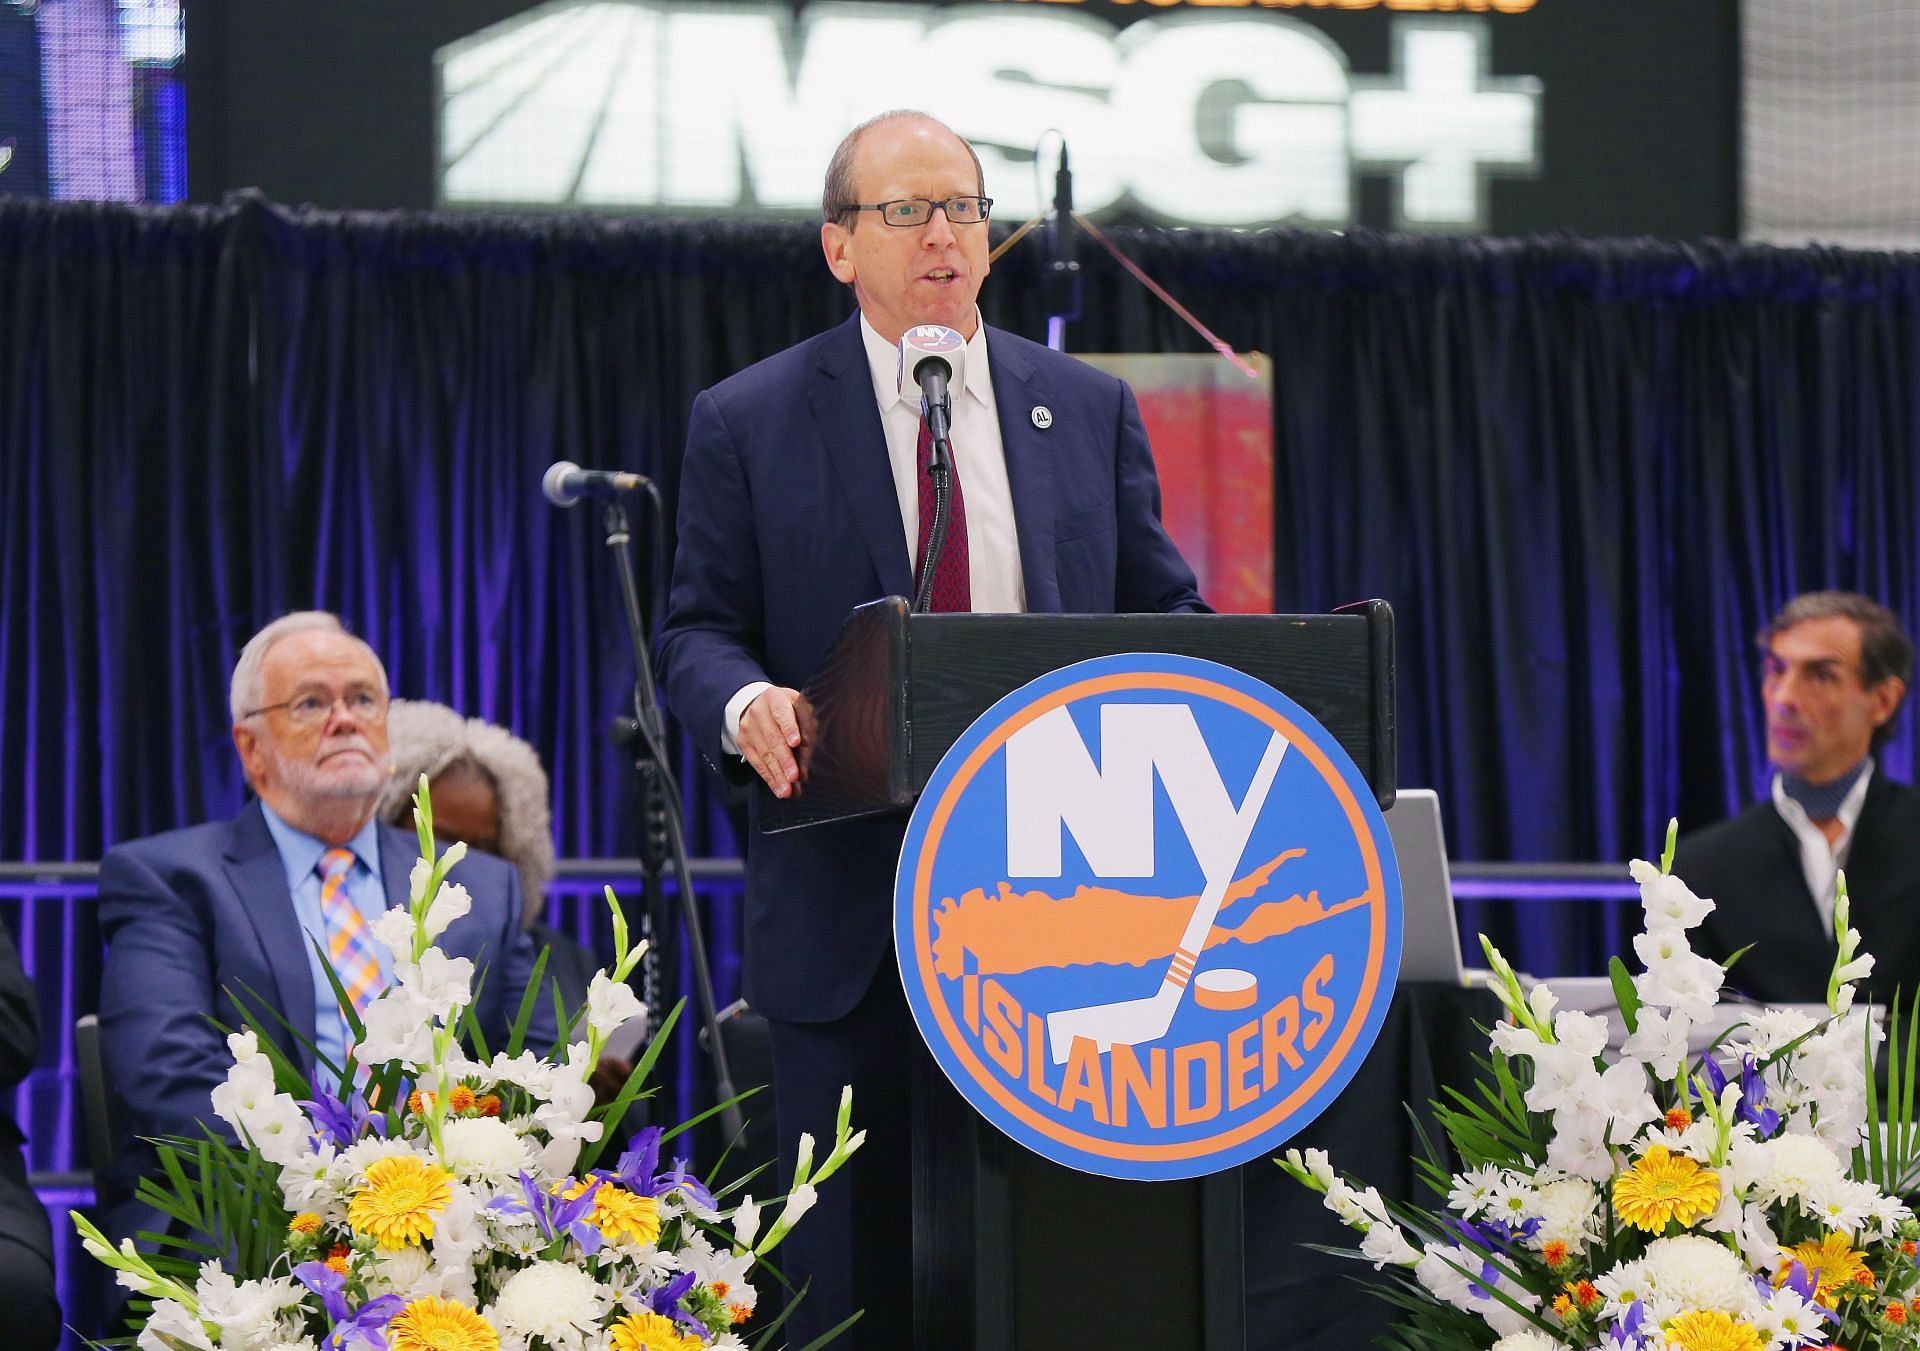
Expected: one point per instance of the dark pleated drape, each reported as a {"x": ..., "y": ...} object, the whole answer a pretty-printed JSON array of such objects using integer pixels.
[{"x": 1582, "y": 472}]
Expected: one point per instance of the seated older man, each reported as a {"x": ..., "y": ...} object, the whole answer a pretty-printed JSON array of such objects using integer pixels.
[{"x": 197, "y": 920}]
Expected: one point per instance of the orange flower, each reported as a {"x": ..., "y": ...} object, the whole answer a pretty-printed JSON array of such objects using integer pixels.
[
  {"x": 1586, "y": 1293},
  {"x": 489, "y": 1105},
  {"x": 419, "y": 1101},
  {"x": 741, "y": 1313},
  {"x": 460, "y": 1098},
  {"x": 1910, "y": 1248},
  {"x": 1562, "y": 1306},
  {"x": 1896, "y": 1312},
  {"x": 337, "y": 1259},
  {"x": 1555, "y": 1252},
  {"x": 1863, "y": 1277},
  {"x": 1678, "y": 1118},
  {"x": 306, "y": 1222}
]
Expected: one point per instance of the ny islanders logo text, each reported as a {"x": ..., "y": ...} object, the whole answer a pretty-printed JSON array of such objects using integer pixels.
[{"x": 1147, "y": 916}]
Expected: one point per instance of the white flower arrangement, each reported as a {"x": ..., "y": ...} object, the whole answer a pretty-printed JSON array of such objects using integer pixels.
[
  {"x": 1743, "y": 1200},
  {"x": 447, "y": 1198}
]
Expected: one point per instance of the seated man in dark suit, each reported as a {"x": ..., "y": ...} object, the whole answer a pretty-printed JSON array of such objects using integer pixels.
[
  {"x": 1835, "y": 673},
  {"x": 196, "y": 920}
]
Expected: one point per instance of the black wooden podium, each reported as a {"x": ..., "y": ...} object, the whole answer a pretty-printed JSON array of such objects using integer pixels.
[{"x": 1012, "y": 1250}]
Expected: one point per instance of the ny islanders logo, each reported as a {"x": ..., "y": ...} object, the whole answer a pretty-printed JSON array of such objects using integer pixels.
[{"x": 1147, "y": 916}]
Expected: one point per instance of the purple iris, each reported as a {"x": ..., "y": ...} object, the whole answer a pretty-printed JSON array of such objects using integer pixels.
[
  {"x": 637, "y": 1171},
  {"x": 344, "y": 1122},
  {"x": 1753, "y": 1095},
  {"x": 554, "y": 1216},
  {"x": 364, "y": 1329},
  {"x": 1494, "y": 1235},
  {"x": 1801, "y": 1281},
  {"x": 666, "y": 1302},
  {"x": 1626, "y": 1332}
]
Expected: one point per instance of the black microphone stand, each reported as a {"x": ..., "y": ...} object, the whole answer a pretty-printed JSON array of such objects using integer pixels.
[
  {"x": 663, "y": 835},
  {"x": 937, "y": 413}
]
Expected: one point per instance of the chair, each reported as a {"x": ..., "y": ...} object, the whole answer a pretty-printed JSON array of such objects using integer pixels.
[{"x": 96, "y": 1099}]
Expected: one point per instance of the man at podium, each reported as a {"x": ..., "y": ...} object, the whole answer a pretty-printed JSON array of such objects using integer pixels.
[{"x": 805, "y": 492}]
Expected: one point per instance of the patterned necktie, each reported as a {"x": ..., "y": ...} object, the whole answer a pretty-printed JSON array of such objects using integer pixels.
[
  {"x": 348, "y": 942},
  {"x": 952, "y": 580}
]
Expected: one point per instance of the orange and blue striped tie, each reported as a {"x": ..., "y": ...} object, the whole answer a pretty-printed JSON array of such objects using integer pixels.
[{"x": 349, "y": 943}]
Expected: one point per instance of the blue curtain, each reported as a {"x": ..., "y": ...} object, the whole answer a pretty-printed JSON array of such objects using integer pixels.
[{"x": 1582, "y": 472}]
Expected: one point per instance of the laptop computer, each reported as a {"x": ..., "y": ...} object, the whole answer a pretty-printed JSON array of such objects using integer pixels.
[{"x": 1430, "y": 942}]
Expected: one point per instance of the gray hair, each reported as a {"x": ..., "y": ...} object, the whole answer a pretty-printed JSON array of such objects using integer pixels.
[
  {"x": 839, "y": 193},
  {"x": 429, "y": 738},
  {"x": 247, "y": 690}
]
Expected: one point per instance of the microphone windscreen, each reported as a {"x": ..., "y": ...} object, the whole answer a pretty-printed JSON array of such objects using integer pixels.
[
  {"x": 924, "y": 342},
  {"x": 554, "y": 483}
]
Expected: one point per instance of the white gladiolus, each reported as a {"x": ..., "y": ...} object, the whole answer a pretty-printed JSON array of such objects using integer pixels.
[
  {"x": 611, "y": 1005},
  {"x": 450, "y": 903},
  {"x": 1667, "y": 901}
]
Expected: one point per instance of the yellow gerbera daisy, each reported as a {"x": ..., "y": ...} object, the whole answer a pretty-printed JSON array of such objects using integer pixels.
[
  {"x": 435, "y": 1324},
  {"x": 1711, "y": 1330},
  {"x": 1833, "y": 1262},
  {"x": 396, "y": 1207},
  {"x": 1664, "y": 1186},
  {"x": 649, "y": 1331},
  {"x": 619, "y": 1213}
]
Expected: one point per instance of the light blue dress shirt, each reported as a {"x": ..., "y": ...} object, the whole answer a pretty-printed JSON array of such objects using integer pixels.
[{"x": 300, "y": 854}]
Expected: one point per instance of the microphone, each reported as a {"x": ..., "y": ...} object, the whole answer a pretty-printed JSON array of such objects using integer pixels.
[
  {"x": 565, "y": 483},
  {"x": 933, "y": 358}
]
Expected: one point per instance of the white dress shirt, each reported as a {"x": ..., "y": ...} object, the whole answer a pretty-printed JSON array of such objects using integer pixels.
[
  {"x": 1819, "y": 860},
  {"x": 995, "y": 578}
]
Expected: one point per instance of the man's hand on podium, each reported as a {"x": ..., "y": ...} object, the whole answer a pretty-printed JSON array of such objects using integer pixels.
[{"x": 770, "y": 739}]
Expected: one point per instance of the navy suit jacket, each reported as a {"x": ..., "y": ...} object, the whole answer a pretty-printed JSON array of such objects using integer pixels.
[
  {"x": 193, "y": 917},
  {"x": 1749, "y": 866},
  {"x": 789, "y": 519}
]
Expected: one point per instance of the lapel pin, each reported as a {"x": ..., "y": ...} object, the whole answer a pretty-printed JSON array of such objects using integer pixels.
[{"x": 1042, "y": 417}]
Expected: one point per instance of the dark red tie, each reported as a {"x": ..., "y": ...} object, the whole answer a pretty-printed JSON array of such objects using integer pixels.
[{"x": 952, "y": 585}]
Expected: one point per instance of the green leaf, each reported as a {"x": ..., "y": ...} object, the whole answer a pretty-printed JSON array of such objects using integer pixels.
[
  {"x": 517, "y": 1038},
  {"x": 1624, "y": 994}
]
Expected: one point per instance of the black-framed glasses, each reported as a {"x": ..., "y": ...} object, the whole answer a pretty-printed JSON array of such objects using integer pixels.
[
  {"x": 919, "y": 210},
  {"x": 314, "y": 707}
]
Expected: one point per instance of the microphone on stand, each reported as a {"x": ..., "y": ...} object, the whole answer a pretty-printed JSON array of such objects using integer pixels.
[
  {"x": 565, "y": 483},
  {"x": 1061, "y": 283},
  {"x": 934, "y": 359}
]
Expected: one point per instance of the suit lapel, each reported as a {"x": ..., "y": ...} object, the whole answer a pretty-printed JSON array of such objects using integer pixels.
[
  {"x": 259, "y": 881},
  {"x": 396, "y": 865},
  {"x": 1029, "y": 472},
  {"x": 849, "y": 425}
]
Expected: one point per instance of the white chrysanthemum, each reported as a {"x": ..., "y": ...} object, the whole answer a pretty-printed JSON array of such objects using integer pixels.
[
  {"x": 1787, "y": 1167},
  {"x": 1691, "y": 1271},
  {"x": 483, "y": 1149},
  {"x": 246, "y": 1312},
  {"x": 1770, "y": 1029},
  {"x": 554, "y": 1301},
  {"x": 1840, "y": 1204},
  {"x": 1512, "y": 1201},
  {"x": 398, "y": 1271},
  {"x": 1528, "y": 1339},
  {"x": 1620, "y": 1287},
  {"x": 1568, "y": 1214},
  {"x": 304, "y": 1185},
  {"x": 1471, "y": 1190}
]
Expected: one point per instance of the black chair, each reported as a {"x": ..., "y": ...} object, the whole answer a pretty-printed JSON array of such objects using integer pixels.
[{"x": 96, "y": 1099}]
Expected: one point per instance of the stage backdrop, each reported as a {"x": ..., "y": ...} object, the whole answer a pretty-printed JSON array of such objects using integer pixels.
[{"x": 1583, "y": 473}]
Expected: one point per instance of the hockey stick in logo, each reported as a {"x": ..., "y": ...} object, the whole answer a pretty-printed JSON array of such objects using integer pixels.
[{"x": 1130, "y": 1022}]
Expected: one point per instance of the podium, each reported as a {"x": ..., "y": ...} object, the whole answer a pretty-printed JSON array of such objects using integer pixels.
[{"x": 1012, "y": 1250}]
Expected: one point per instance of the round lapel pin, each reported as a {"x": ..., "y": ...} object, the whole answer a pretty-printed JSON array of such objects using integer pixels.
[{"x": 1042, "y": 417}]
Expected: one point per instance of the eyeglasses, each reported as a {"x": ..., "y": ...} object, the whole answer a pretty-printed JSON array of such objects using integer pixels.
[
  {"x": 314, "y": 708},
  {"x": 919, "y": 210}
]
